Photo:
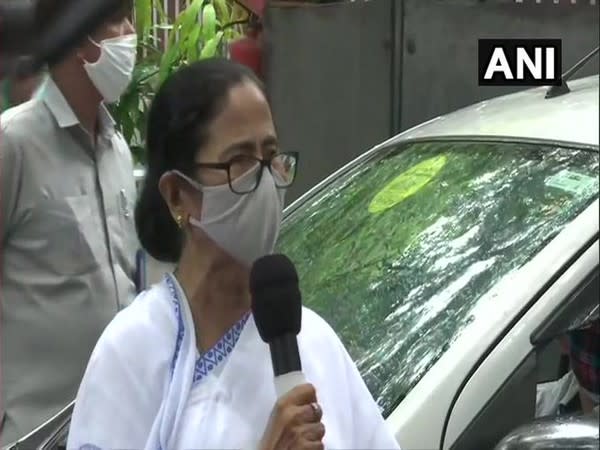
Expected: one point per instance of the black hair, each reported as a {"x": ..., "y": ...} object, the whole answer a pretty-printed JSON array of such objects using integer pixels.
[
  {"x": 181, "y": 113},
  {"x": 48, "y": 12}
]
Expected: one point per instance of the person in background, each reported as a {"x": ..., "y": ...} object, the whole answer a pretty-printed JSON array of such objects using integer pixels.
[
  {"x": 578, "y": 391},
  {"x": 184, "y": 366},
  {"x": 68, "y": 236}
]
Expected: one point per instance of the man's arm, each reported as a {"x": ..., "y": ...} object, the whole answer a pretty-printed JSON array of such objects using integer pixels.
[{"x": 11, "y": 179}]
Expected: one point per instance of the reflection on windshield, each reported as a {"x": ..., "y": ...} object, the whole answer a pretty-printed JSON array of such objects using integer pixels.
[{"x": 397, "y": 254}]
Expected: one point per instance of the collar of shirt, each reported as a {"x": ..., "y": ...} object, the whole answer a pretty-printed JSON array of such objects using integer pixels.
[{"x": 51, "y": 95}]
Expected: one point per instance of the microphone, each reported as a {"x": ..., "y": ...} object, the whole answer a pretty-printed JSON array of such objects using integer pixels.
[{"x": 277, "y": 310}]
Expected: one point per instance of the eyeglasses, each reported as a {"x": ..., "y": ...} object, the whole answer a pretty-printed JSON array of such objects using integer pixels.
[{"x": 245, "y": 172}]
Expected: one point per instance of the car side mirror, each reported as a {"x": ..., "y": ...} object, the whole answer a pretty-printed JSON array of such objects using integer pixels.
[{"x": 555, "y": 433}]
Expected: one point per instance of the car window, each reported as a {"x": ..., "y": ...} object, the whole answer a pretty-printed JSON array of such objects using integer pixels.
[
  {"x": 397, "y": 253},
  {"x": 578, "y": 311}
]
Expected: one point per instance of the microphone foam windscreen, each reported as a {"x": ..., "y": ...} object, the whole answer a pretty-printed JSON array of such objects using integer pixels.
[{"x": 276, "y": 298}]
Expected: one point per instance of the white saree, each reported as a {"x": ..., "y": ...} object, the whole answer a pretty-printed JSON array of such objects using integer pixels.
[{"x": 146, "y": 386}]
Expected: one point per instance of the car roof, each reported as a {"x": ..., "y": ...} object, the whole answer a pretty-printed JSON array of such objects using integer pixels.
[
  {"x": 525, "y": 115},
  {"x": 572, "y": 117}
]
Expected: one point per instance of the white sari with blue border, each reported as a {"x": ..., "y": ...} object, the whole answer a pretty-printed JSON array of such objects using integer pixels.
[{"x": 147, "y": 387}]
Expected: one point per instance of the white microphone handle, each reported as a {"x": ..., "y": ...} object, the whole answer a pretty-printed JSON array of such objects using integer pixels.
[{"x": 288, "y": 381}]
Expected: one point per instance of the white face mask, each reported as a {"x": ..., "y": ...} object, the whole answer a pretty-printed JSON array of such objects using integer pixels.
[
  {"x": 112, "y": 73},
  {"x": 245, "y": 226}
]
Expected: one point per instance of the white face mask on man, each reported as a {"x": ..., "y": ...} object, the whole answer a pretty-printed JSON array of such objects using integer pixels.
[
  {"x": 245, "y": 226},
  {"x": 112, "y": 73}
]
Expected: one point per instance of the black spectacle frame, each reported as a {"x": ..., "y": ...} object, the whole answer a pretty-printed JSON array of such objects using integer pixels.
[{"x": 263, "y": 163}]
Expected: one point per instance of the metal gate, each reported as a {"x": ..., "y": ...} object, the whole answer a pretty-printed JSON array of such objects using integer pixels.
[{"x": 345, "y": 76}]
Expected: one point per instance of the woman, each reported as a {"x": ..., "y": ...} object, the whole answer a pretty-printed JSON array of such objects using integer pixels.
[{"x": 184, "y": 367}]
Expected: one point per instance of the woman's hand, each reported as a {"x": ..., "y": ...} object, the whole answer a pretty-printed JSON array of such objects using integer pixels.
[{"x": 295, "y": 422}]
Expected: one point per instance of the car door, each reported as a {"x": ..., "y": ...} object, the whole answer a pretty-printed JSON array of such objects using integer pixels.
[
  {"x": 51, "y": 435},
  {"x": 500, "y": 392}
]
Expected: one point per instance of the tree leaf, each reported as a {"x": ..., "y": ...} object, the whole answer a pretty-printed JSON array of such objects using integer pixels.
[
  {"x": 170, "y": 58},
  {"x": 191, "y": 17},
  {"x": 209, "y": 22},
  {"x": 178, "y": 29},
  {"x": 222, "y": 8},
  {"x": 193, "y": 44},
  {"x": 195, "y": 33},
  {"x": 210, "y": 47},
  {"x": 143, "y": 17}
]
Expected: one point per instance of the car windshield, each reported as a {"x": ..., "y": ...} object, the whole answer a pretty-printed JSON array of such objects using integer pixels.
[{"x": 396, "y": 253}]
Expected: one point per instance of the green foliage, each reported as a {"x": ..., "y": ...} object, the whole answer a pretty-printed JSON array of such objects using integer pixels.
[
  {"x": 199, "y": 31},
  {"x": 401, "y": 281}
]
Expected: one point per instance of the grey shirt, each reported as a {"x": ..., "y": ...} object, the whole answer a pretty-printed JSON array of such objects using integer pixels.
[{"x": 68, "y": 252}]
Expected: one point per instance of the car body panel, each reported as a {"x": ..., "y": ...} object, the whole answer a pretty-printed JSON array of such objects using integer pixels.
[
  {"x": 514, "y": 347},
  {"x": 427, "y": 404},
  {"x": 572, "y": 117}
]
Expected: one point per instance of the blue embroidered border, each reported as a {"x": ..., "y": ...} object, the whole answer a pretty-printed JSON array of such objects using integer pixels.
[
  {"x": 180, "y": 326},
  {"x": 212, "y": 358}
]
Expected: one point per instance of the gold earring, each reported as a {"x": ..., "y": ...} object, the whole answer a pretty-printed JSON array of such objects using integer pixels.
[{"x": 179, "y": 220}]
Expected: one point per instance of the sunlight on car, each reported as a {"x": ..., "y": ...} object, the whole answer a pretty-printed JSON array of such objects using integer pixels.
[{"x": 406, "y": 184}]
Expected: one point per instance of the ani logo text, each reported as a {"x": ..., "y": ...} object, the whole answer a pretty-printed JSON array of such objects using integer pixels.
[{"x": 520, "y": 62}]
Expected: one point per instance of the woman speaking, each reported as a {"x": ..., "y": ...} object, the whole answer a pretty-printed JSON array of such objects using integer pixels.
[{"x": 184, "y": 366}]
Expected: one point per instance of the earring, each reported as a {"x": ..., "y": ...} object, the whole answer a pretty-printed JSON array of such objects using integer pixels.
[{"x": 179, "y": 220}]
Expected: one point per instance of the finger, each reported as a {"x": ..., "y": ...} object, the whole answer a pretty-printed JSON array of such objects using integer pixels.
[
  {"x": 312, "y": 445},
  {"x": 290, "y": 416},
  {"x": 311, "y": 413},
  {"x": 301, "y": 395},
  {"x": 299, "y": 442},
  {"x": 313, "y": 432}
]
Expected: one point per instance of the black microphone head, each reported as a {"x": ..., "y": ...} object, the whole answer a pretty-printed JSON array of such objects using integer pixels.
[{"x": 276, "y": 298}]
